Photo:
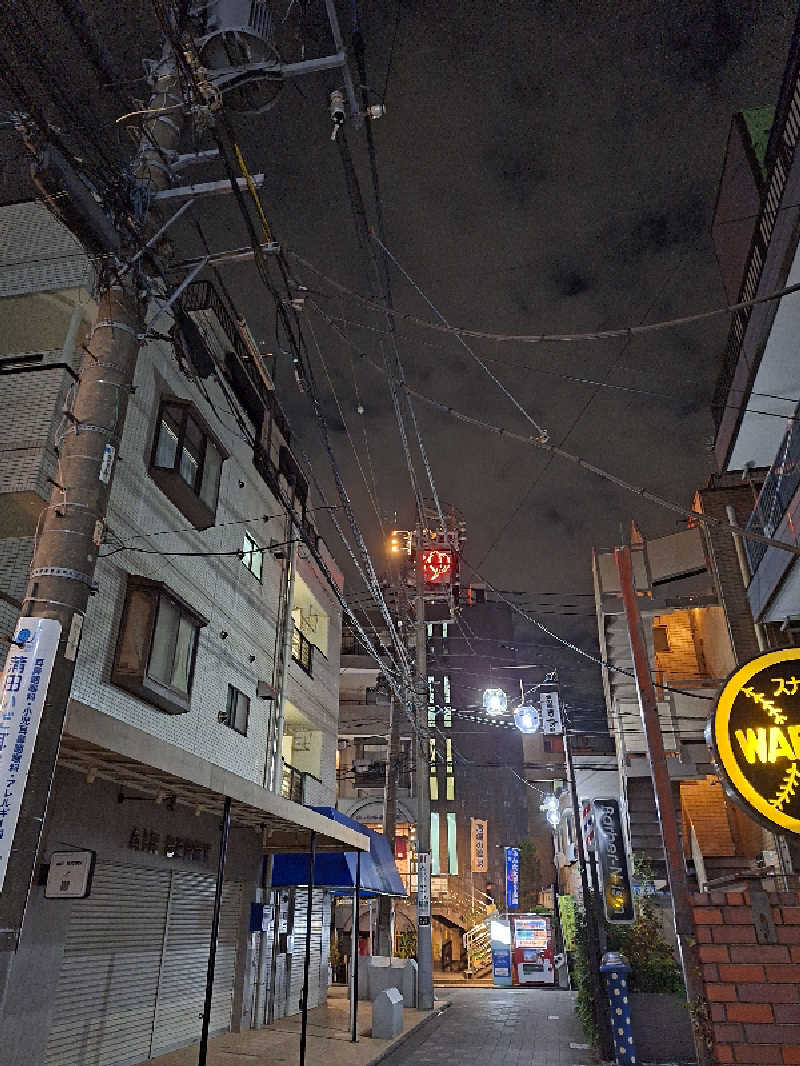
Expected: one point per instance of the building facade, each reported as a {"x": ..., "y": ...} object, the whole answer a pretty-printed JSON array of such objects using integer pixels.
[{"x": 190, "y": 684}]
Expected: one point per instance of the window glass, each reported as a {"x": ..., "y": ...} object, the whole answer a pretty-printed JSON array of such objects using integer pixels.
[
  {"x": 452, "y": 843},
  {"x": 209, "y": 486},
  {"x": 162, "y": 654},
  {"x": 167, "y": 444},
  {"x": 237, "y": 710},
  {"x": 252, "y": 556},
  {"x": 191, "y": 453},
  {"x": 184, "y": 648},
  {"x": 451, "y": 791},
  {"x": 446, "y": 685}
]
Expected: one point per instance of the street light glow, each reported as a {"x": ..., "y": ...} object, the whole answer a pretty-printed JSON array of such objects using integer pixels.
[
  {"x": 526, "y": 719},
  {"x": 495, "y": 701}
]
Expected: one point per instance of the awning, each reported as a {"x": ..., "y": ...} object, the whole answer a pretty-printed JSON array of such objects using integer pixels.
[
  {"x": 98, "y": 745},
  {"x": 379, "y": 876}
]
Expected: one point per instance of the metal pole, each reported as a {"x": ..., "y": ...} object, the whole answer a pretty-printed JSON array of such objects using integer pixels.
[
  {"x": 212, "y": 951},
  {"x": 424, "y": 932},
  {"x": 662, "y": 788},
  {"x": 354, "y": 938},
  {"x": 307, "y": 957},
  {"x": 592, "y": 935},
  {"x": 385, "y": 903}
]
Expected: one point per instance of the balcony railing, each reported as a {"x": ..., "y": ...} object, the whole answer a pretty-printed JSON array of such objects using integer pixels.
[
  {"x": 776, "y": 493},
  {"x": 302, "y": 651},
  {"x": 780, "y": 156},
  {"x": 292, "y": 783}
]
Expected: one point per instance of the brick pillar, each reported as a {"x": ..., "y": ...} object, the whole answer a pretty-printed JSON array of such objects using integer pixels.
[{"x": 752, "y": 989}]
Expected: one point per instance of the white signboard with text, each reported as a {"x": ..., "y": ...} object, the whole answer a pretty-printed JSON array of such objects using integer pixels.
[
  {"x": 551, "y": 714},
  {"x": 424, "y": 888},
  {"x": 23, "y": 688},
  {"x": 70, "y": 875}
]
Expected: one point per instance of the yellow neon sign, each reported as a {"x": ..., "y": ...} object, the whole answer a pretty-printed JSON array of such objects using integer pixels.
[{"x": 755, "y": 733}]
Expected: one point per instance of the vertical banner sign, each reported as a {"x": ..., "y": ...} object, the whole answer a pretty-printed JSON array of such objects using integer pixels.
[
  {"x": 512, "y": 878},
  {"x": 23, "y": 688},
  {"x": 423, "y": 888},
  {"x": 615, "y": 881},
  {"x": 480, "y": 856},
  {"x": 551, "y": 714}
]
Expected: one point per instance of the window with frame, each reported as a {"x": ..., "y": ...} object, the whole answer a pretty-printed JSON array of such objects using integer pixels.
[
  {"x": 187, "y": 462},
  {"x": 302, "y": 651},
  {"x": 157, "y": 646},
  {"x": 237, "y": 711},
  {"x": 253, "y": 556}
]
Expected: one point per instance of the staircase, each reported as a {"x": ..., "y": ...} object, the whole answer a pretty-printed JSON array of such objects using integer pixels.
[{"x": 478, "y": 946}]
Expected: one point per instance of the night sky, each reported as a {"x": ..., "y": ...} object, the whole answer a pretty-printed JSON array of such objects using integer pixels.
[{"x": 544, "y": 166}]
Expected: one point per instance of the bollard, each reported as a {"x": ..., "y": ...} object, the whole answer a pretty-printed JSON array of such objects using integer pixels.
[{"x": 616, "y": 969}]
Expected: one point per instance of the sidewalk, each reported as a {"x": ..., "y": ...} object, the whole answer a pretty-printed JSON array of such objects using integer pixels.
[{"x": 328, "y": 1039}]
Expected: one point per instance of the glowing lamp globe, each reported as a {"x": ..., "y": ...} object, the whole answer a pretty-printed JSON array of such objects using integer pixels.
[
  {"x": 495, "y": 701},
  {"x": 526, "y": 719}
]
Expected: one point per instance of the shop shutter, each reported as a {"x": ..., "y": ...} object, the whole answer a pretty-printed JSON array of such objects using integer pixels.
[
  {"x": 182, "y": 982},
  {"x": 295, "y": 992},
  {"x": 107, "y": 987}
]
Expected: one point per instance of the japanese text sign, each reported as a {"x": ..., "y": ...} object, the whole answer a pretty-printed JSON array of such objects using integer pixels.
[
  {"x": 424, "y": 888},
  {"x": 615, "y": 880},
  {"x": 480, "y": 856},
  {"x": 23, "y": 688},
  {"x": 755, "y": 736},
  {"x": 551, "y": 713},
  {"x": 512, "y": 877}
]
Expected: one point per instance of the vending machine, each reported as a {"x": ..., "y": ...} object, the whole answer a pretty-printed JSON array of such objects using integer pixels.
[{"x": 532, "y": 949}]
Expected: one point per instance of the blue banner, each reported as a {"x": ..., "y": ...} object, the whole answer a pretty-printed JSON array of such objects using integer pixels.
[{"x": 512, "y": 878}]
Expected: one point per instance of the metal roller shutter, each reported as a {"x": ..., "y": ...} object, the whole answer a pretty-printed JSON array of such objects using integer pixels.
[
  {"x": 295, "y": 991},
  {"x": 133, "y": 976},
  {"x": 182, "y": 983},
  {"x": 109, "y": 975}
]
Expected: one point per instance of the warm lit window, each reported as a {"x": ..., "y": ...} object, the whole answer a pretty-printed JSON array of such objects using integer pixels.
[
  {"x": 186, "y": 462},
  {"x": 252, "y": 556},
  {"x": 237, "y": 711},
  {"x": 157, "y": 645}
]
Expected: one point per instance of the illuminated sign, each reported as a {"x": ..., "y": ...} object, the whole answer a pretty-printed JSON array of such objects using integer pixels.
[
  {"x": 755, "y": 736},
  {"x": 437, "y": 566},
  {"x": 512, "y": 877},
  {"x": 615, "y": 880}
]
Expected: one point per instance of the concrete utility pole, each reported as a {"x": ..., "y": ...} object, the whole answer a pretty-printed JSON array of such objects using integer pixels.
[
  {"x": 424, "y": 932},
  {"x": 662, "y": 787},
  {"x": 385, "y": 905},
  {"x": 590, "y": 909},
  {"x": 71, "y": 529}
]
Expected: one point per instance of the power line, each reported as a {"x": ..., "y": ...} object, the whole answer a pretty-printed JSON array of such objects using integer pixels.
[{"x": 556, "y": 338}]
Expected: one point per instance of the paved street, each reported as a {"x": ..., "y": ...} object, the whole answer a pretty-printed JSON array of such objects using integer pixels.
[{"x": 496, "y": 1027}]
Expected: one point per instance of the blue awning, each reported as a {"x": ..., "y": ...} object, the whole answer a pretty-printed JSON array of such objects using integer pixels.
[{"x": 337, "y": 870}]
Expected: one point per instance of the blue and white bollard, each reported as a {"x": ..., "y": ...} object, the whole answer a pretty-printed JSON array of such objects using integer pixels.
[{"x": 616, "y": 969}]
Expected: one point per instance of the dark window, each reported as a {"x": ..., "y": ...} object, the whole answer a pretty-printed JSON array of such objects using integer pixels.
[
  {"x": 237, "y": 711},
  {"x": 186, "y": 462},
  {"x": 253, "y": 556},
  {"x": 302, "y": 650},
  {"x": 660, "y": 638},
  {"x": 157, "y": 646}
]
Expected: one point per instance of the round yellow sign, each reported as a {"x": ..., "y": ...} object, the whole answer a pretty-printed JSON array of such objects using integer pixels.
[{"x": 755, "y": 735}]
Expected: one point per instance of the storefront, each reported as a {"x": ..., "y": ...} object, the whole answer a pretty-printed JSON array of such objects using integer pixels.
[{"x": 119, "y": 976}]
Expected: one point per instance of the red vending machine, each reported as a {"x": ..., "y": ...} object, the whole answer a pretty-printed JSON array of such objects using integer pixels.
[{"x": 532, "y": 949}]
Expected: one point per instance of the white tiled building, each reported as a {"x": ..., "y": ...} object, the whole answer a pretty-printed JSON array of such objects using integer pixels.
[{"x": 172, "y": 698}]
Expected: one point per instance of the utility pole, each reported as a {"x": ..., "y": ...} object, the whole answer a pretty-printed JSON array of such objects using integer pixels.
[
  {"x": 71, "y": 529},
  {"x": 599, "y": 1000},
  {"x": 424, "y": 932},
  {"x": 662, "y": 788},
  {"x": 385, "y": 904}
]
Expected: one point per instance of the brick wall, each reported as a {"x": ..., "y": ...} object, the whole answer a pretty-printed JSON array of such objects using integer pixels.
[
  {"x": 703, "y": 806},
  {"x": 753, "y": 989}
]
